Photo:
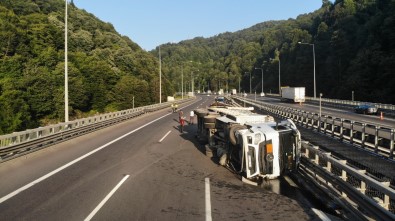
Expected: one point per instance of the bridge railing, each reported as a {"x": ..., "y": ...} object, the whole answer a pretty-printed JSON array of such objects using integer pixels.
[
  {"x": 374, "y": 197},
  {"x": 385, "y": 108},
  {"x": 372, "y": 137},
  {"x": 23, "y": 142}
]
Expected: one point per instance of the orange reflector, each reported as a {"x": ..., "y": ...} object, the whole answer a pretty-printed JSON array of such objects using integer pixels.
[{"x": 269, "y": 148}]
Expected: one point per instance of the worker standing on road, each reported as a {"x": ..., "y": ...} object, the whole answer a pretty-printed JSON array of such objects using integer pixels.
[
  {"x": 191, "y": 117},
  {"x": 181, "y": 119}
]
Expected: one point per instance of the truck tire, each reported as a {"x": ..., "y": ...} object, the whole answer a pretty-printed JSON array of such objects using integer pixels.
[
  {"x": 209, "y": 125},
  {"x": 232, "y": 130},
  {"x": 201, "y": 113},
  {"x": 209, "y": 119},
  {"x": 209, "y": 151}
]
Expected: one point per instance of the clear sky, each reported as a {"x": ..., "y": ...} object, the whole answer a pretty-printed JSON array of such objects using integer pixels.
[{"x": 150, "y": 23}]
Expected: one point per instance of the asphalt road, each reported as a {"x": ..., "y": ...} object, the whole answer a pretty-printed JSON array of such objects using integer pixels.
[
  {"x": 142, "y": 169},
  {"x": 334, "y": 112}
]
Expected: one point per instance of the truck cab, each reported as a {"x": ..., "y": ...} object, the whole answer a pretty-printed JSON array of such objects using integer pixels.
[
  {"x": 253, "y": 145},
  {"x": 269, "y": 149}
]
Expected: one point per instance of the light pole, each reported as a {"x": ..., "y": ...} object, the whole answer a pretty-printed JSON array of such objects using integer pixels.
[
  {"x": 66, "y": 77},
  {"x": 250, "y": 81},
  {"x": 192, "y": 79},
  {"x": 182, "y": 82},
  {"x": 320, "y": 103},
  {"x": 302, "y": 43},
  {"x": 239, "y": 85},
  {"x": 160, "y": 77},
  {"x": 279, "y": 75},
  {"x": 352, "y": 95},
  {"x": 262, "y": 78}
]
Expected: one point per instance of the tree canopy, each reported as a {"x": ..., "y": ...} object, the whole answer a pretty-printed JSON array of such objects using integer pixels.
[
  {"x": 354, "y": 43},
  {"x": 105, "y": 69}
]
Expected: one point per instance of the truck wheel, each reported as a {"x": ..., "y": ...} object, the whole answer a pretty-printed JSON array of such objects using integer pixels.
[
  {"x": 232, "y": 130},
  {"x": 209, "y": 119},
  {"x": 209, "y": 151},
  {"x": 209, "y": 125}
]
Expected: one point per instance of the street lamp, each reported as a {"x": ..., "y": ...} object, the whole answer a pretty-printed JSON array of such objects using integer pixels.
[
  {"x": 239, "y": 85},
  {"x": 302, "y": 43},
  {"x": 192, "y": 79},
  {"x": 279, "y": 75},
  {"x": 250, "y": 81},
  {"x": 262, "y": 78},
  {"x": 182, "y": 82},
  {"x": 160, "y": 77},
  {"x": 320, "y": 103},
  {"x": 66, "y": 83}
]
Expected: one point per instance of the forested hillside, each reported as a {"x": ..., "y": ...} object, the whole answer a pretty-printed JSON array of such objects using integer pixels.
[
  {"x": 354, "y": 43},
  {"x": 105, "y": 69}
]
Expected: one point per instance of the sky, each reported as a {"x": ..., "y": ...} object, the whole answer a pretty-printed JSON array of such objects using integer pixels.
[{"x": 150, "y": 23}]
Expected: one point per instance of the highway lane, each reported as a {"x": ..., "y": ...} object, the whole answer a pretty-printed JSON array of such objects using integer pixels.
[
  {"x": 136, "y": 178},
  {"x": 334, "y": 112}
]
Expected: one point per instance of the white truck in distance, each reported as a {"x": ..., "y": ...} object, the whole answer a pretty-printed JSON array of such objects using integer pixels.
[
  {"x": 234, "y": 92},
  {"x": 293, "y": 94},
  {"x": 252, "y": 145}
]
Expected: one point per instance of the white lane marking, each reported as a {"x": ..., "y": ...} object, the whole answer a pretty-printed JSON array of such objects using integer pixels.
[
  {"x": 208, "y": 200},
  {"x": 27, "y": 186},
  {"x": 321, "y": 215},
  {"x": 101, "y": 204},
  {"x": 160, "y": 141}
]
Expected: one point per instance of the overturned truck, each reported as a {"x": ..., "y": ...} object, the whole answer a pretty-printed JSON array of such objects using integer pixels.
[{"x": 250, "y": 144}]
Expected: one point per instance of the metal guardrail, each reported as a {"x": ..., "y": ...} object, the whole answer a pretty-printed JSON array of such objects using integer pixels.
[
  {"x": 373, "y": 197},
  {"x": 378, "y": 139},
  {"x": 24, "y": 142},
  {"x": 386, "y": 108},
  {"x": 349, "y": 184}
]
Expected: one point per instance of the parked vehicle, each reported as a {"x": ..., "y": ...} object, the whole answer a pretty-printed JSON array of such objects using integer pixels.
[
  {"x": 252, "y": 145},
  {"x": 365, "y": 109},
  {"x": 262, "y": 94},
  {"x": 234, "y": 92},
  {"x": 293, "y": 94}
]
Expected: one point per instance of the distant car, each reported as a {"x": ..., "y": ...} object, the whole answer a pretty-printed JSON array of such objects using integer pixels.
[
  {"x": 262, "y": 94},
  {"x": 245, "y": 95},
  {"x": 365, "y": 109}
]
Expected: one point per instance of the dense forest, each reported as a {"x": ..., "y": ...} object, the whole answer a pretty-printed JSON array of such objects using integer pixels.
[
  {"x": 106, "y": 70},
  {"x": 354, "y": 45}
]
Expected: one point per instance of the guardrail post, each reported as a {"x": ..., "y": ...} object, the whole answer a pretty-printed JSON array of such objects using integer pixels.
[
  {"x": 344, "y": 175},
  {"x": 316, "y": 157},
  {"x": 392, "y": 138},
  {"x": 376, "y": 139},
  {"x": 386, "y": 199},
  {"x": 333, "y": 127},
  {"x": 352, "y": 132},
  {"x": 363, "y": 135},
  {"x": 325, "y": 123},
  {"x": 341, "y": 129}
]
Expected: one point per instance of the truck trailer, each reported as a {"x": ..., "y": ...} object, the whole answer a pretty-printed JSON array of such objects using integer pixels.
[
  {"x": 293, "y": 94},
  {"x": 254, "y": 146}
]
